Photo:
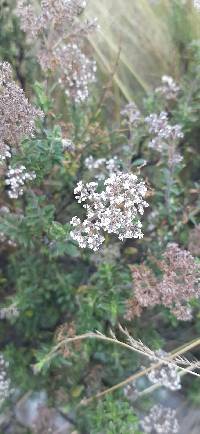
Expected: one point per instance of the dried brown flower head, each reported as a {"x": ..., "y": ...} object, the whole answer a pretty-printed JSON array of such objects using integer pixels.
[
  {"x": 180, "y": 281},
  {"x": 60, "y": 36},
  {"x": 177, "y": 284},
  {"x": 133, "y": 309},
  {"x": 65, "y": 331},
  {"x": 17, "y": 115}
]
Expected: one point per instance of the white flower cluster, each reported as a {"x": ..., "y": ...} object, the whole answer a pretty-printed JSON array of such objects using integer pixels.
[
  {"x": 160, "y": 420},
  {"x": 5, "y": 152},
  {"x": 196, "y": 4},
  {"x": 77, "y": 71},
  {"x": 115, "y": 210},
  {"x": 132, "y": 114},
  {"x": 131, "y": 392},
  {"x": 9, "y": 312},
  {"x": 165, "y": 136},
  {"x": 169, "y": 88},
  {"x": 159, "y": 126},
  {"x": 16, "y": 179},
  {"x": 102, "y": 167},
  {"x": 68, "y": 145},
  {"x": 5, "y": 390},
  {"x": 167, "y": 375},
  {"x": 5, "y": 240},
  {"x": 91, "y": 163}
]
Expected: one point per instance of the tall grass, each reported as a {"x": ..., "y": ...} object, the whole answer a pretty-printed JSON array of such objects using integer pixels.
[{"x": 151, "y": 37}]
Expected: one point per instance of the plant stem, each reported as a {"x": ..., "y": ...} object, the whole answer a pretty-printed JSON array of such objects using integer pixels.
[{"x": 144, "y": 372}]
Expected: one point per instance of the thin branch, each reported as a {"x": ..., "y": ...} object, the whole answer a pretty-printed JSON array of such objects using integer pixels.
[
  {"x": 158, "y": 385},
  {"x": 136, "y": 346},
  {"x": 128, "y": 380}
]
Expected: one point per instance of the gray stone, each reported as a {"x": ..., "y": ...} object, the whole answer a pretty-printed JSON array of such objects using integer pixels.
[{"x": 27, "y": 412}]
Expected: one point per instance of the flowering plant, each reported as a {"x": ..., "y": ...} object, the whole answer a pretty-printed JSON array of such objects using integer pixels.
[{"x": 98, "y": 223}]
